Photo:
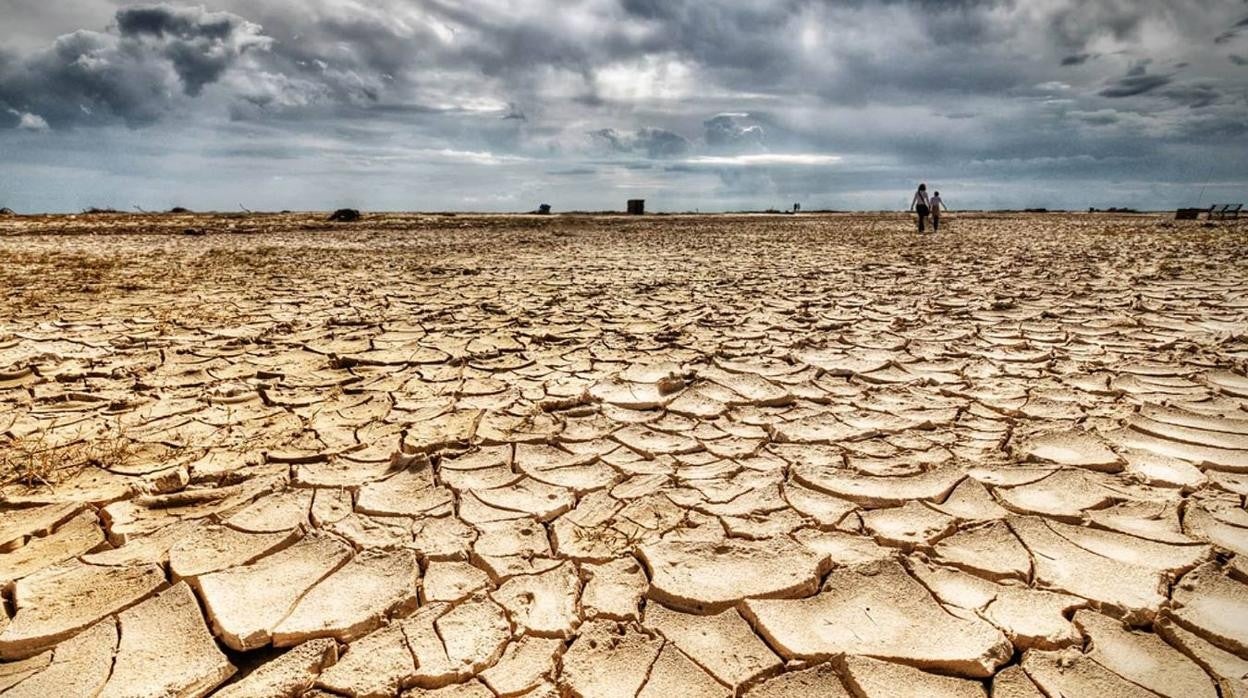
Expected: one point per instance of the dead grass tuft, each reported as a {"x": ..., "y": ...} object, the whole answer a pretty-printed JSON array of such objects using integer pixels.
[{"x": 33, "y": 461}]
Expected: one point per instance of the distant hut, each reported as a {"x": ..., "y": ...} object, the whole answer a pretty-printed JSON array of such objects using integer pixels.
[
  {"x": 543, "y": 210},
  {"x": 636, "y": 207}
]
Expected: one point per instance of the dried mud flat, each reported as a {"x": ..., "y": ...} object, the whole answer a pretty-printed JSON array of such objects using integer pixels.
[{"x": 671, "y": 456}]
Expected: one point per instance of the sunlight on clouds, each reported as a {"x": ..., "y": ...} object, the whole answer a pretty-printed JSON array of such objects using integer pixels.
[
  {"x": 473, "y": 156},
  {"x": 650, "y": 77},
  {"x": 440, "y": 29},
  {"x": 763, "y": 159}
]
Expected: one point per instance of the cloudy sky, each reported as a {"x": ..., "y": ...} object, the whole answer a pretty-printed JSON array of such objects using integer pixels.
[{"x": 690, "y": 104}]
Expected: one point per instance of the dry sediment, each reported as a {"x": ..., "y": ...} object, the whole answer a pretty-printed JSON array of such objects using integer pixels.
[{"x": 703, "y": 456}]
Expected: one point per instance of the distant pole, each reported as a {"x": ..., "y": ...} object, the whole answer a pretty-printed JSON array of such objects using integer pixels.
[{"x": 1204, "y": 186}]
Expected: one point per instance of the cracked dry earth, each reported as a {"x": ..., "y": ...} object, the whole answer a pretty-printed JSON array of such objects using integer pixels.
[{"x": 671, "y": 456}]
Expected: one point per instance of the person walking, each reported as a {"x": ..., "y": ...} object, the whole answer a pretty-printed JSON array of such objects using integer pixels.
[
  {"x": 919, "y": 204},
  {"x": 936, "y": 206}
]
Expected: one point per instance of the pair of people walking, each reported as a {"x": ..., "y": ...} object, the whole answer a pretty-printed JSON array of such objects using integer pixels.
[{"x": 924, "y": 206}]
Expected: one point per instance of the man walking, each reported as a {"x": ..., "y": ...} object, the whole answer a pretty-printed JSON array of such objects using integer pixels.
[{"x": 936, "y": 206}]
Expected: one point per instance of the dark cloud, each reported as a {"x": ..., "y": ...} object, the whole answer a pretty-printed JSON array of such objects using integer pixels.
[
  {"x": 613, "y": 139},
  {"x": 1137, "y": 81},
  {"x": 181, "y": 22},
  {"x": 132, "y": 73},
  {"x": 660, "y": 143},
  {"x": 1100, "y": 118},
  {"x": 1194, "y": 96},
  {"x": 1238, "y": 60},
  {"x": 653, "y": 143},
  {"x": 1076, "y": 59},
  {"x": 731, "y": 131},
  {"x": 1233, "y": 32},
  {"x": 201, "y": 45}
]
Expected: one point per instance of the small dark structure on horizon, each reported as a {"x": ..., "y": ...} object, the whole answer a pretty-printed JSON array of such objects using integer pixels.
[
  {"x": 6, "y": 211},
  {"x": 543, "y": 209},
  {"x": 636, "y": 207},
  {"x": 345, "y": 215},
  {"x": 1225, "y": 212}
]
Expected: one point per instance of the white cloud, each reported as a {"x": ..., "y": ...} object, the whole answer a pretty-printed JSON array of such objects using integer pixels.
[
  {"x": 651, "y": 77},
  {"x": 441, "y": 155},
  {"x": 765, "y": 159},
  {"x": 30, "y": 122}
]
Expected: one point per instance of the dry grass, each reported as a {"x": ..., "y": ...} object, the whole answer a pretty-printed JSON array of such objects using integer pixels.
[{"x": 34, "y": 461}]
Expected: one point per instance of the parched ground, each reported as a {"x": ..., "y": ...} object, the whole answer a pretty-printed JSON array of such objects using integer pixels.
[{"x": 674, "y": 456}]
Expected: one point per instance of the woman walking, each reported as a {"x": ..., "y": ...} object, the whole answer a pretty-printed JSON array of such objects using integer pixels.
[{"x": 919, "y": 205}]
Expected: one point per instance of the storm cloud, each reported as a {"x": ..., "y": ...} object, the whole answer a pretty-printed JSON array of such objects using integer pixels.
[
  {"x": 707, "y": 103},
  {"x": 1137, "y": 81},
  {"x": 651, "y": 142},
  {"x": 730, "y": 131},
  {"x": 132, "y": 72}
]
